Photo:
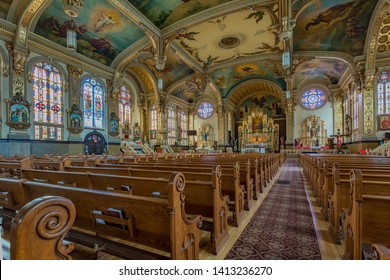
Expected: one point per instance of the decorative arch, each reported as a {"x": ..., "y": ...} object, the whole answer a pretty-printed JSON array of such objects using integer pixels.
[
  {"x": 249, "y": 88},
  {"x": 36, "y": 59},
  {"x": 146, "y": 79},
  {"x": 377, "y": 17}
]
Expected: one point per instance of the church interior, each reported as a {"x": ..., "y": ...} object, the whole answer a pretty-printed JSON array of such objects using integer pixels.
[{"x": 228, "y": 103}]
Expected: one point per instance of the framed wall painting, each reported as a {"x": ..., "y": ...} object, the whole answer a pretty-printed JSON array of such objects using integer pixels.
[{"x": 384, "y": 122}]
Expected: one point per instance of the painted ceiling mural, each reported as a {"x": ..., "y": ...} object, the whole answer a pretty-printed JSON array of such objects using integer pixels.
[
  {"x": 228, "y": 77},
  {"x": 175, "y": 69},
  {"x": 99, "y": 28},
  {"x": 239, "y": 34},
  {"x": 166, "y": 12},
  {"x": 334, "y": 25},
  {"x": 270, "y": 105},
  {"x": 331, "y": 69},
  {"x": 189, "y": 91}
]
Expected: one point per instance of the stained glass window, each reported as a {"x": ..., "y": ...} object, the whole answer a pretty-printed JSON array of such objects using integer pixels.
[
  {"x": 313, "y": 98},
  {"x": 172, "y": 125},
  {"x": 93, "y": 103},
  {"x": 205, "y": 110},
  {"x": 383, "y": 97},
  {"x": 124, "y": 105},
  {"x": 47, "y": 102},
  {"x": 184, "y": 127}
]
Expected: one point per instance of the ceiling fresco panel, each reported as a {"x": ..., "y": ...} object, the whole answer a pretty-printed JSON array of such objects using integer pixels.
[
  {"x": 228, "y": 77},
  {"x": 100, "y": 28},
  {"x": 334, "y": 25},
  {"x": 239, "y": 34},
  {"x": 332, "y": 69},
  {"x": 175, "y": 69},
  {"x": 166, "y": 12}
]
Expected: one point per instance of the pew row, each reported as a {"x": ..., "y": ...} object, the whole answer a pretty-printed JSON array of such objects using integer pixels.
[
  {"x": 203, "y": 192},
  {"x": 158, "y": 223},
  {"x": 367, "y": 220}
]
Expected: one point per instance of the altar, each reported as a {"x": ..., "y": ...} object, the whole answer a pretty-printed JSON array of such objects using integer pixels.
[{"x": 258, "y": 132}]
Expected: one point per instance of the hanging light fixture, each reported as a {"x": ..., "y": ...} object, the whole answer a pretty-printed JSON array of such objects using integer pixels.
[
  {"x": 71, "y": 37},
  {"x": 72, "y": 9},
  {"x": 286, "y": 59}
]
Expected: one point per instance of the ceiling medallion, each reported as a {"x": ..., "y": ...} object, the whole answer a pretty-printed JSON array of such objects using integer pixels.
[{"x": 229, "y": 41}]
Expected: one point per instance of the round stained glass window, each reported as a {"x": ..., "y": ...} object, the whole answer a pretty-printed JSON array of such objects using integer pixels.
[
  {"x": 313, "y": 98},
  {"x": 205, "y": 110}
]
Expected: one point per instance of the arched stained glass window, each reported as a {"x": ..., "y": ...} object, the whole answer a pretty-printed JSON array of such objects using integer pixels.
[
  {"x": 184, "y": 127},
  {"x": 93, "y": 103},
  {"x": 383, "y": 97},
  {"x": 47, "y": 102},
  {"x": 205, "y": 110},
  {"x": 124, "y": 105},
  {"x": 313, "y": 98}
]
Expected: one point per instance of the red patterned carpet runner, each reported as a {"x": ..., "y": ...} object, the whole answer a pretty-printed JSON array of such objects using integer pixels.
[{"x": 282, "y": 227}]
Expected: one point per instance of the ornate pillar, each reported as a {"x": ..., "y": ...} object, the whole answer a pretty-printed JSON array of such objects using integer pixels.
[
  {"x": 368, "y": 106},
  {"x": 290, "y": 104},
  {"x": 144, "y": 117},
  {"x": 225, "y": 117},
  {"x": 162, "y": 124},
  {"x": 75, "y": 113},
  {"x": 221, "y": 123},
  {"x": 113, "y": 119},
  {"x": 338, "y": 111},
  {"x": 18, "y": 107}
]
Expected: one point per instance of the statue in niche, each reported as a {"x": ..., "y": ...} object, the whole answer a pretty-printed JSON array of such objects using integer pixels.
[
  {"x": 75, "y": 119},
  {"x": 114, "y": 124}
]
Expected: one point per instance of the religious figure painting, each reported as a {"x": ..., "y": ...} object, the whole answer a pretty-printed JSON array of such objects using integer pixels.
[
  {"x": 384, "y": 122},
  {"x": 18, "y": 111}
]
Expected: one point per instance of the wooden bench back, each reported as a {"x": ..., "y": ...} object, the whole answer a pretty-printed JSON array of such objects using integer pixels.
[{"x": 154, "y": 222}]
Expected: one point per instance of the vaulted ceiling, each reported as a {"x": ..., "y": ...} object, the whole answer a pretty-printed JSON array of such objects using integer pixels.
[{"x": 225, "y": 43}]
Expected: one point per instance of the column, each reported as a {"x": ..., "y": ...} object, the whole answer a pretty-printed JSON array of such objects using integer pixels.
[
  {"x": 75, "y": 113},
  {"x": 191, "y": 119},
  {"x": 113, "y": 119},
  {"x": 18, "y": 107},
  {"x": 162, "y": 119}
]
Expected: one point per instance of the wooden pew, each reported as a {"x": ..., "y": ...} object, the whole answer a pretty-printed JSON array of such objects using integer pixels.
[
  {"x": 39, "y": 228},
  {"x": 339, "y": 195},
  {"x": 14, "y": 167},
  {"x": 368, "y": 216},
  {"x": 230, "y": 180},
  {"x": 12, "y": 199},
  {"x": 158, "y": 223},
  {"x": 380, "y": 252},
  {"x": 203, "y": 191}
]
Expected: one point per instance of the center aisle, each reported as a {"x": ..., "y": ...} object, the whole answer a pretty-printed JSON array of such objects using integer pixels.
[{"x": 282, "y": 227}]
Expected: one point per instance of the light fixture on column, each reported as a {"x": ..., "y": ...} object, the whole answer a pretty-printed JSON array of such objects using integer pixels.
[{"x": 286, "y": 58}]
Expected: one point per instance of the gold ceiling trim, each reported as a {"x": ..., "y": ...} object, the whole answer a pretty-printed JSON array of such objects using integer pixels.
[
  {"x": 25, "y": 20},
  {"x": 145, "y": 79}
]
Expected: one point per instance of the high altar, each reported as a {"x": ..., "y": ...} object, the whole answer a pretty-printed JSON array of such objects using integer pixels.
[
  {"x": 205, "y": 136},
  {"x": 258, "y": 131},
  {"x": 313, "y": 132}
]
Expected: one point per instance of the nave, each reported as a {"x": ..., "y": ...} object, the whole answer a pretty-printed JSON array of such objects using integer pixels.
[{"x": 279, "y": 226}]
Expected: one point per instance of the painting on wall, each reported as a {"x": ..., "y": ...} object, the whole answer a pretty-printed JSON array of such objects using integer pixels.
[
  {"x": 334, "y": 25},
  {"x": 99, "y": 29},
  {"x": 270, "y": 105},
  {"x": 228, "y": 77},
  {"x": 384, "y": 122},
  {"x": 166, "y": 12}
]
